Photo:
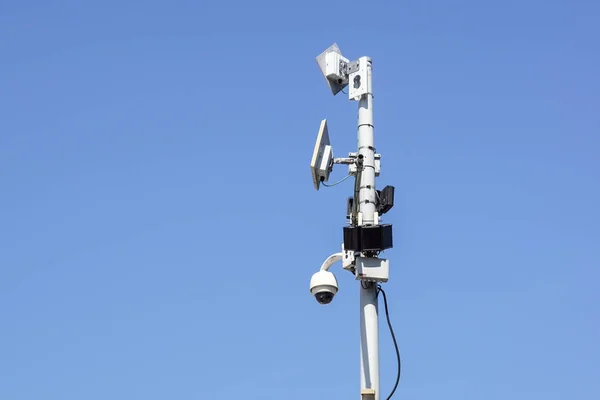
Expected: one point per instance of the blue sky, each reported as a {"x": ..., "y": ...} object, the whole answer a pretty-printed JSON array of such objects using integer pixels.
[{"x": 159, "y": 227}]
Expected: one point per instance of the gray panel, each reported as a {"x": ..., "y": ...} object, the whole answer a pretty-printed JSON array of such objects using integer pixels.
[
  {"x": 333, "y": 86},
  {"x": 322, "y": 141}
]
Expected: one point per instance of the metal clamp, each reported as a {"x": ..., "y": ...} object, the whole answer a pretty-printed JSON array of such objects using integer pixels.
[
  {"x": 351, "y": 67},
  {"x": 367, "y": 394}
]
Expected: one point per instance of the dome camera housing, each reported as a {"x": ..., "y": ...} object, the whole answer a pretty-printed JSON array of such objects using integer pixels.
[{"x": 323, "y": 286}]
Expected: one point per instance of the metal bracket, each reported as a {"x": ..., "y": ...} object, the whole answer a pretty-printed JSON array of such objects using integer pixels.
[
  {"x": 349, "y": 260},
  {"x": 352, "y": 166},
  {"x": 359, "y": 81},
  {"x": 351, "y": 67},
  {"x": 344, "y": 160}
]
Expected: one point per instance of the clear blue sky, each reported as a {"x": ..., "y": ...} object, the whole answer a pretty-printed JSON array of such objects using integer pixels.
[{"x": 158, "y": 225}]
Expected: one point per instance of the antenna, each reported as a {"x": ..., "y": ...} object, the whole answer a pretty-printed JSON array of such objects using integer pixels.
[{"x": 364, "y": 237}]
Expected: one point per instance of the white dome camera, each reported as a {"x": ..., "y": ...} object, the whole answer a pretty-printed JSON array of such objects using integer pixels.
[{"x": 323, "y": 286}]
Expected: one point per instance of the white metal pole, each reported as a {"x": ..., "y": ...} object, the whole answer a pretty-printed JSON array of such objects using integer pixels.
[
  {"x": 369, "y": 329},
  {"x": 369, "y": 342}
]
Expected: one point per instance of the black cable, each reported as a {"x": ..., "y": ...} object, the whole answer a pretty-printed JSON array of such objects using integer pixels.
[
  {"x": 355, "y": 205},
  {"x": 387, "y": 316}
]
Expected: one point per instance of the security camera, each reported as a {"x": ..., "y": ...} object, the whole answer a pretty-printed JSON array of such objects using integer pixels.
[{"x": 323, "y": 286}]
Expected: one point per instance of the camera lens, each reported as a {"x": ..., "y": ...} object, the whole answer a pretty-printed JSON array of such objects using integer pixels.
[{"x": 324, "y": 297}]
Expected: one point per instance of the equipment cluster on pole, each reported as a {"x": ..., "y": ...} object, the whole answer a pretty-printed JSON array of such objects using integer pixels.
[{"x": 364, "y": 237}]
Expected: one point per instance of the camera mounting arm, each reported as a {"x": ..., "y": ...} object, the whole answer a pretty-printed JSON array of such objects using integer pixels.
[
  {"x": 347, "y": 257},
  {"x": 348, "y": 160},
  {"x": 332, "y": 259}
]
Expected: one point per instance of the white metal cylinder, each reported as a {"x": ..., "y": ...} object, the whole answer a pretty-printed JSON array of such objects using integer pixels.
[
  {"x": 366, "y": 149},
  {"x": 369, "y": 339},
  {"x": 369, "y": 324}
]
